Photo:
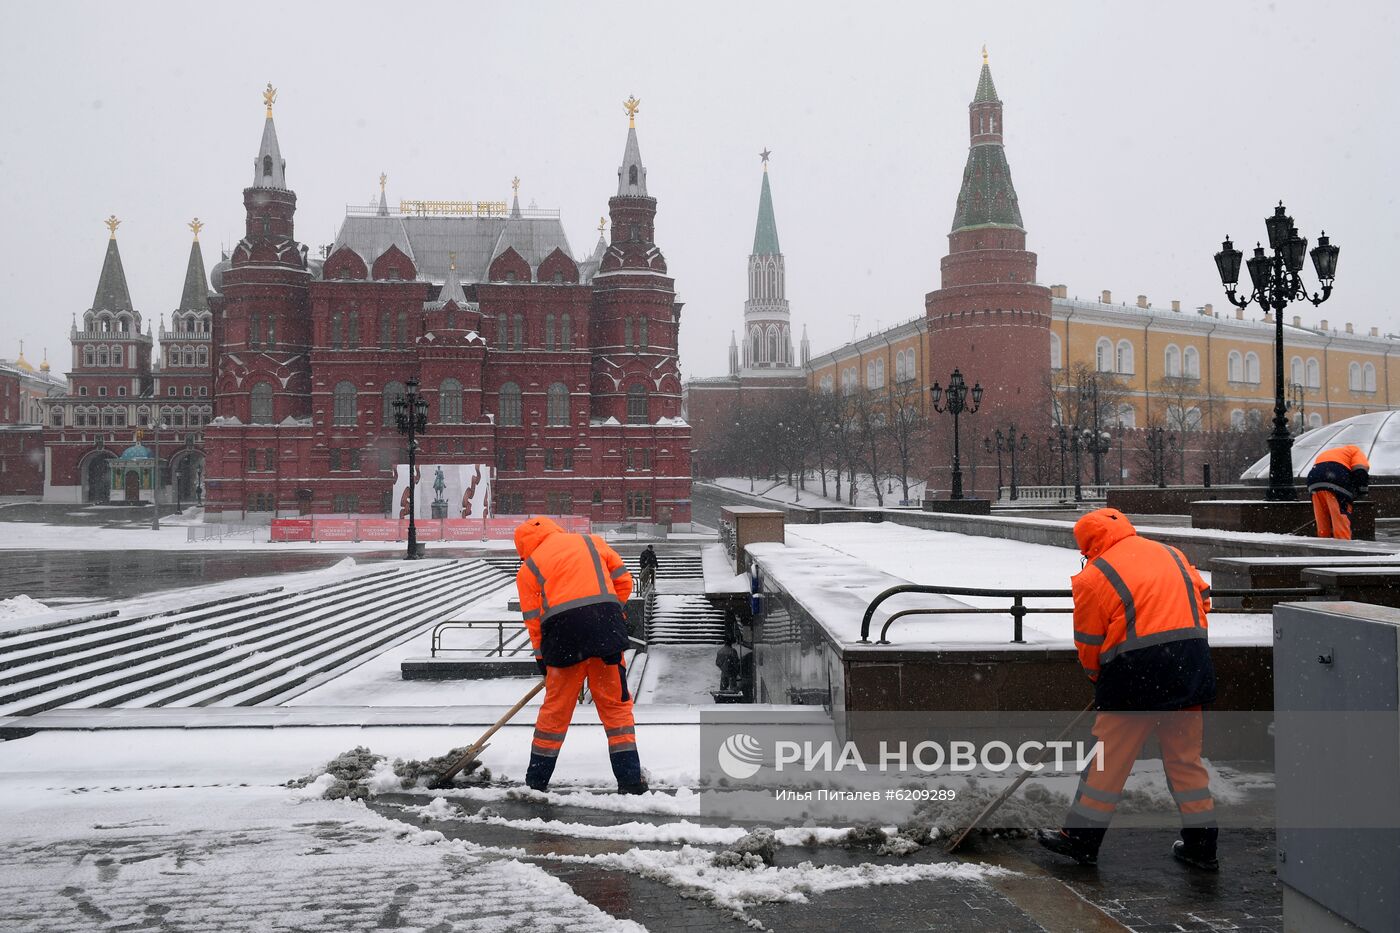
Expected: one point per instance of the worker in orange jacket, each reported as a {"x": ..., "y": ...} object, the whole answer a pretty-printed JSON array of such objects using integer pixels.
[
  {"x": 1338, "y": 478},
  {"x": 1140, "y": 628},
  {"x": 572, "y": 589}
]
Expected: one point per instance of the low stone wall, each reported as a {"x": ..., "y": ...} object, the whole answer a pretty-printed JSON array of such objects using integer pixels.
[{"x": 1176, "y": 500}]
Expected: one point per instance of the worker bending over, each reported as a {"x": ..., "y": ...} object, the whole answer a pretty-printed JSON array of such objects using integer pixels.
[
  {"x": 1338, "y": 478},
  {"x": 572, "y": 590},
  {"x": 1140, "y": 628}
]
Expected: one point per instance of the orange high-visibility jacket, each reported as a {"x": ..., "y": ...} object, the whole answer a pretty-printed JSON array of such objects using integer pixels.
[
  {"x": 1349, "y": 456},
  {"x": 561, "y": 571},
  {"x": 1137, "y": 603}
]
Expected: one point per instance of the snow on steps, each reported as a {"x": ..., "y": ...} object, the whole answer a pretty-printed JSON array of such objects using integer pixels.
[
  {"x": 684, "y": 620},
  {"x": 241, "y": 652},
  {"x": 668, "y": 566}
]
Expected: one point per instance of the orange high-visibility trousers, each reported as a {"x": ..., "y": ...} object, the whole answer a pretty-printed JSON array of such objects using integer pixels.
[
  {"x": 1332, "y": 522},
  {"x": 562, "y": 686},
  {"x": 1179, "y": 732}
]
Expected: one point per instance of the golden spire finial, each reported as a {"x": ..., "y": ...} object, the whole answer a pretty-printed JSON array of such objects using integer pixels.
[
  {"x": 630, "y": 105},
  {"x": 112, "y": 224},
  {"x": 984, "y": 53},
  {"x": 515, "y": 185},
  {"x": 452, "y": 261},
  {"x": 269, "y": 96},
  {"x": 196, "y": 225},
  {"x": 44, "y": 366},
  {"x": 602, "y": 224},
  {"x": 383, "y": 180}
]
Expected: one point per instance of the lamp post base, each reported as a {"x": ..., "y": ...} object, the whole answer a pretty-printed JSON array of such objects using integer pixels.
[
  {"x": 958, "y": 506},
  {"x": 1281, "y": 488}
]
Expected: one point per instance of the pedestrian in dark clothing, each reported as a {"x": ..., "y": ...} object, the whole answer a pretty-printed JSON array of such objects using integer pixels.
[
  {"x": 648, "y": 567},
  {"x": 727, "y": 660}
]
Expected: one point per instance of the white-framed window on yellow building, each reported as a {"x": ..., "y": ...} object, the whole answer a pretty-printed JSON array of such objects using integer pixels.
[
  {"x": 1314, "y": 373},
  {"x": 1125, "y": 358},
  {"x": 1251, "y": 368},
  {"x": 1172, "y": 363},
  {"x": 1315, "y": 420},
  {"x": 1234, "y": 366},
  {"x": 1295, "y": 370},
  {"x": 1368, "y": 377},
  {"x": 1127, "y": 416},
  {"x": 1055, "y": 355},
  {"x": 827, "y": 384},
  {"x": 1237, "y": 419},
  {"x": 1191, "y": 363},
  {"x": 1103, "y": 355}
]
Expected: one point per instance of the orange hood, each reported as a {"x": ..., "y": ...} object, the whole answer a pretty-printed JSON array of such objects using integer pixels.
[
  {"x": 531, "y": 533},
  {"x": 1100, "y": 530}
]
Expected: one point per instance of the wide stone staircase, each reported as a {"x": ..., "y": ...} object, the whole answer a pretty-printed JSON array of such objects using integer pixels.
[
  {"x": 248, "y": 650},
  {"x": 684, "y": 620}
]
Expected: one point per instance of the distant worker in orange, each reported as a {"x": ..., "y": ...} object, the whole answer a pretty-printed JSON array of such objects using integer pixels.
[
  {"x": 1338, "y": 478},
  {"x": 1140, "y": 628},
  {"x": 572, "y": 589}
]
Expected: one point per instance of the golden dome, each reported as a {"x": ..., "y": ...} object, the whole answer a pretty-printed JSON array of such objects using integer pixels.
[{"x": 22, "y": 364}]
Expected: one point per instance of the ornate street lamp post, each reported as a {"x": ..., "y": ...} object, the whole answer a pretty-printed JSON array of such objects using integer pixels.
[
  {"x": 1276, "y": 282},
  {"x": 411, "y": 416},
  {"x": 990, "y": 447},
  {"x": 1089, "y": 394},
  {"x": 956, "y": 403},
  {"x": 1158, "y": 443},
  {"x": 155, "y": 476}
]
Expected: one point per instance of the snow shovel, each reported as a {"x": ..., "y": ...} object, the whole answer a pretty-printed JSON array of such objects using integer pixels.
[
  {"x": 1005, "y": 795},
  {"x": 468, "y": 761}
]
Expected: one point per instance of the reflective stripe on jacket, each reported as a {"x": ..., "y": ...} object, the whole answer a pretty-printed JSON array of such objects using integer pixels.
[
  {"x": 1140, "y": 618},
  {"x": 1344, "y": 471},
  {"x": 560, "y": 571}
]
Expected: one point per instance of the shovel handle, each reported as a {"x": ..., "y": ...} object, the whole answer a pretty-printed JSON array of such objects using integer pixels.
[
  {"x": 475, "y": 748},
  {"x": 1006, "y": 794}
]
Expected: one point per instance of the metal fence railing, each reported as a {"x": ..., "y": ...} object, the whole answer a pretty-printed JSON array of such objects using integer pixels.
[{"x": 1018, "y": 610}]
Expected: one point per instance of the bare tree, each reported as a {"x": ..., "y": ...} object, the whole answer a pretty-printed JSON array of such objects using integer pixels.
[{"x": 908, "y": 428}]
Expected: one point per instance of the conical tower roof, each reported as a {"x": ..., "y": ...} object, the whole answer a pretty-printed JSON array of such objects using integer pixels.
[
  {"x": 632, "y": 174},
  {"x": 269, "y": 168},
  {"x": 987, "y": 196},
  {"x": 765, "y": 236},
  {"x": 986, "y": 90},
  {"x": 195, "y": 296},
  {"x": 112, "y": 293}
]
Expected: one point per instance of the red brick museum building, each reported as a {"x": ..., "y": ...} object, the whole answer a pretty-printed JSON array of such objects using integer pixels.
[{"x": 559, "y": 374}]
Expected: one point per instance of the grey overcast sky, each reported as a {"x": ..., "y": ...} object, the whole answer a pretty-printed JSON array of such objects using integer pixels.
[{"x": 1138, "y": 135}]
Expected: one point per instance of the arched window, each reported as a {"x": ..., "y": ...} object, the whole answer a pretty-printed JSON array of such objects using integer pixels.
[
  {"x": 627, "y": 332},
  {"x": 1251, "y": 368},
  {"x": 384, "y": 328},
  {"x": 1354, "y": 377},
  {"x": 352, "y": 331},
  {"x": 510, "y": 405},
  {"x": 1191, "y": 420},
  {"x": 1295, "y": 370},
  {"x": 1191, "y": 363},
  {"x": 1173, "y": 361},
  {"x": 1315, "y": 420},
  {"x": 203, "y": 356},
  {"x": 1055, "y": 355},
  {"x": 1314, "y": 373},
  {"x": 755, "y": 346},
  {"x": 518, "y": 326},
  {"x": 1125, "y": 357},
  {"x": 403, "y": 328},
  {"x": 392, "y": 391},
  {"x": 549, "y": 332},
  {"x": 642, "y": 333},
  {"x": 828, "y": 384},
  {"x": 1103, "y": 355},
  {"x": 335, "y": 330},
  {"x": 631, "y": 174},
  {"x": 772, "y": 344},
  {"x": 254, "y": 331},
  {"x": 1237, "y": 419},
  {"x": 1368, "y": 378},
  {"x": 450, "y": 402},
  {"x": 1234, "y": 367},
  {"x": 566, "y": 332},
  {"x": 557, "y": 404},
  {"x": 1127, "y": 416},
  {"x": 101, "y": 356},
  {"x": 262, "y": 403},
  {"x": 89, "y": 357},
  {"x": 267, "y": 166},
  {"x": 899, "y": 366},
  {"x": 271, "y": 330},
  {"x": 637, "y": 404}
]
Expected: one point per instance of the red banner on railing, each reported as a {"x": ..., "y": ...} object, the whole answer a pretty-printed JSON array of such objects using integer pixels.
[
  {"x": 462, "y": 529},
  {"x": 291, "y": 529},
  {"x": 378, "y": 529},
  {"x": 333, "y": 529}
]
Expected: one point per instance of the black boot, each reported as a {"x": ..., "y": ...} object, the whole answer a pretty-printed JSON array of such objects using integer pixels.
[
  {"x": 632, "y": 788},
  {"x": 1196, "y": 848},
  {"x": 538, "y": 772},
  {"x": 1082, "y": 845}
]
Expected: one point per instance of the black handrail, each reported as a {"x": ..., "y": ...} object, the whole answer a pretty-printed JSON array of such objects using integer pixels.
[
  {"x": 499, "y": 650},
  {"x": 1019, "y": 610}
]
